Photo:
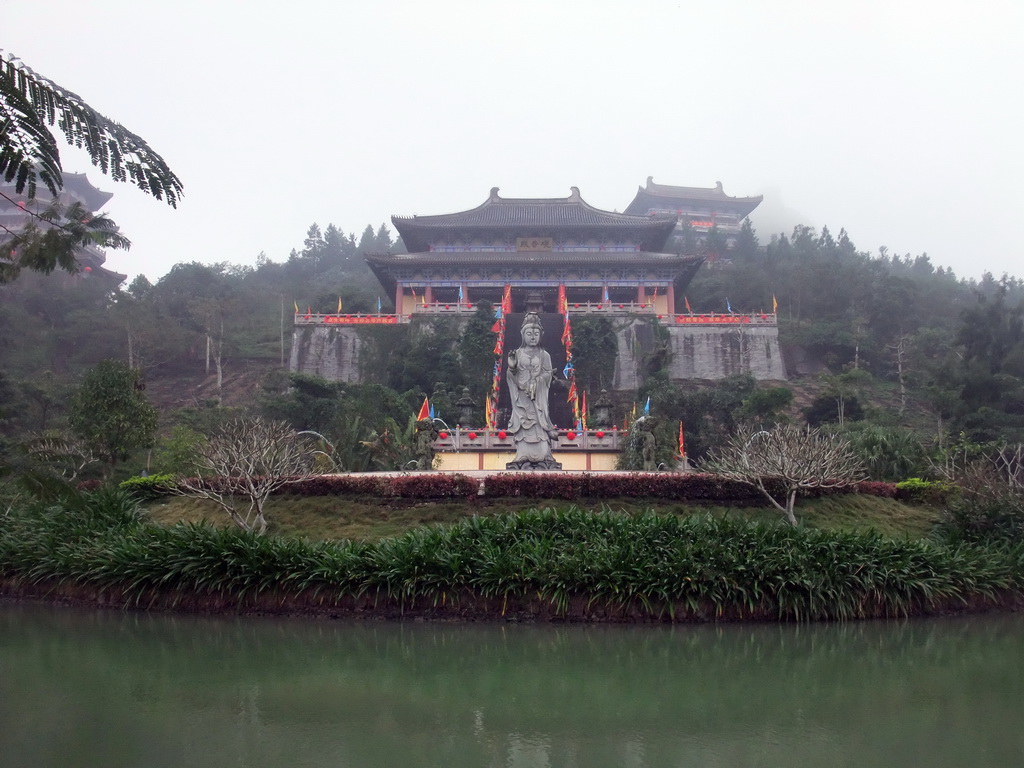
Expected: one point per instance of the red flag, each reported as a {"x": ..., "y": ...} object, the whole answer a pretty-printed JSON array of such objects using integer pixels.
[
  {"x": 496, "y": 328},
  {"x": 682, "y": 444},
  {"x": 687, "y": 302},
  {"x": 584, "y": 409},
  {"x": 572, "y": 391},
  {"x": 424, "y": 410}
]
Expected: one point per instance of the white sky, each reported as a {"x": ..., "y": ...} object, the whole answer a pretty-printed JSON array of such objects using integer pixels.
[{"x": 898, "y": 120}]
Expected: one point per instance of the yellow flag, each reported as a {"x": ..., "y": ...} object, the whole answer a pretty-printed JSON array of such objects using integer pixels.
[
  {"x": 339, "y": 305},
  {"x": 775, "y": 305},
  {"x": 296, "y": 307}
]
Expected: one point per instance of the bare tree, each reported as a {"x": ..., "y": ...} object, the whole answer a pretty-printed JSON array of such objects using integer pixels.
[
  {"x": 245, "y": 461},
  {"x": 787, "y": 458}
]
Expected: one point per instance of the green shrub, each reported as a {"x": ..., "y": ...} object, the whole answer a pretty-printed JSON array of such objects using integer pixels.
[
  {"x": 915, "y": 489},
  {"x": 146, "y": 488}
]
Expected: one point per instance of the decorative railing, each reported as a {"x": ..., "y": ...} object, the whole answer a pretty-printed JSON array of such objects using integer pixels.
[
  {"x": 582, "y": 308},
  {"x": 461, "y": 439},
  {"x": 715, "y": 319},
  {"x": 357, "y": 319}
]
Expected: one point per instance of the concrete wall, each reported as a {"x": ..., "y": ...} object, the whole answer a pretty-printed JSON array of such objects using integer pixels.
[
  {"x": 330, "y": 353},
  {"x": 714, "y": 353}
]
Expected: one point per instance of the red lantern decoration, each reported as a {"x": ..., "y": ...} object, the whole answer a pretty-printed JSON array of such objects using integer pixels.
[
  {"x": 472, "y": 435},
  {"x": 443, "y": 435},
  {"x": 503, "y": 434},
  {"x": 571, "y": 435},
  {"x": 600, "y": 433},
  {"x": 87, "y": 269}
]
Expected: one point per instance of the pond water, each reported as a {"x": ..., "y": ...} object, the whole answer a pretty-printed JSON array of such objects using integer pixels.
[{"x": 108, "y": 689}]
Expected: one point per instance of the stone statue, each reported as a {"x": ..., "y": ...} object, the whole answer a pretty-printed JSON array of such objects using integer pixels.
[
  {"x": 423, "y": 444},
  {"x": 529, "y": 381}
]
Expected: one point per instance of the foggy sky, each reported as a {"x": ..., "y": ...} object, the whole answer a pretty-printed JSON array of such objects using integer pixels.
[{"x": 900, "y": 121}]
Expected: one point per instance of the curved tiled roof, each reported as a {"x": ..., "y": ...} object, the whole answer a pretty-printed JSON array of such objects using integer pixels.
[
  {"x": 532, "y": 216},
  {"x": 654, "y": 195}
]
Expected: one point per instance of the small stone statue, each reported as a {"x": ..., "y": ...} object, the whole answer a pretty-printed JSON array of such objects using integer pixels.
[
  {"x": 465, "y": 405},
  {"x": 423, "y": 445},
  {"x": 529, "y": 381}
]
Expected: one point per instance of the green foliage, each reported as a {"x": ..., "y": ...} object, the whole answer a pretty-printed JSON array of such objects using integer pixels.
[
  {"x": 645, "y": 565},
  {"x": 176, "y": 453},
  {"x": 110, "y": 413},
  {"x": 28, "y": 151},
  {"x": 888, "y": 453},
  {"x": 924, "y": 491},
  {"x": 594, "y": 349},
  {"x": 146, "y": 488}
]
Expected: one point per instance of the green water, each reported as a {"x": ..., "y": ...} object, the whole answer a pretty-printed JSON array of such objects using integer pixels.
[{"x": 111, "y": 689}]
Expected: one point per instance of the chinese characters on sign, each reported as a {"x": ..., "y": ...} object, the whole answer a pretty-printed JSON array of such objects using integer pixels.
[{"x": 533, "y": 243}]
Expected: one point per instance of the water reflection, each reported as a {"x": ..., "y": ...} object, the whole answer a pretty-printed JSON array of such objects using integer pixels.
[{"x": 116, "y": 689}]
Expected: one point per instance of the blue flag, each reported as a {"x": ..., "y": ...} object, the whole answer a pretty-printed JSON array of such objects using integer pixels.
[
  {"x": 431, "y": 410},
  {"x": 567, "y": 370},
  {"x": 460, "y": 294},
  {"x": 378, "y": 305},
  {"x": 728, "y": 306},
  {"x": 647, "y": 407}
]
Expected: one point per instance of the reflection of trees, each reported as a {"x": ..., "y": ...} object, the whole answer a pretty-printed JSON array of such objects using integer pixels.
[{"x": 478, "y": 695}]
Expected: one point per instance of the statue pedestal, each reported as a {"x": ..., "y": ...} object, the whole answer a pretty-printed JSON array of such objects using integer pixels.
[{"x": 525, "y": 464}]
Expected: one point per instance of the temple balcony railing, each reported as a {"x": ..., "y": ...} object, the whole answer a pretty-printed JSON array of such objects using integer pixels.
[
  {"x": 314, "y": 318},
  {"x": 761, "y": 319},
  {"x": 444, "y": 308},
  {"x": 582, "y": 308},
  {"x": 462, "y": 439}
]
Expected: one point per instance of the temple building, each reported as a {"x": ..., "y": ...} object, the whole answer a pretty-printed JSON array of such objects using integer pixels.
[
  {"x": 611, "y": 261},
  {"x": 16, "y": 211},
  {"x": 624, "y": 266},
  {"x": 698, "y": 209}
]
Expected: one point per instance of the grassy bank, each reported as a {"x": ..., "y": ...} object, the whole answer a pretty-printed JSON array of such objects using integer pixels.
[
  {"x": 565, "y": 564},
  {"x": 372, "y": 518}
]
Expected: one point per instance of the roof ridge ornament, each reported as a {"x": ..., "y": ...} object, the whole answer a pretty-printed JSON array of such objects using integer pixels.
[
  {"x": 574, "y": 195},
  {"x": 493, "y": 198}
]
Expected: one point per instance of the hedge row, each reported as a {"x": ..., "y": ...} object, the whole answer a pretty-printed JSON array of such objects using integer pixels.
[{"x": 690, "y": 487}]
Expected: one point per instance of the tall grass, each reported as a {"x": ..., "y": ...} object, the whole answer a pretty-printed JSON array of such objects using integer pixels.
[{"x": 571, "y": 563}]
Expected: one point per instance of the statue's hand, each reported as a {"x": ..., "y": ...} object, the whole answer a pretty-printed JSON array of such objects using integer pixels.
[{"x": 512, "y": 364}]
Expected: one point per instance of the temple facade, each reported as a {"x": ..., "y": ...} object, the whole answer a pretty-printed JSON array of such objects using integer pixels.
[
  {"x": 537, "y": 250},
  {"x": 696, "y": 209},
  {"x": 611, "y": 261}
]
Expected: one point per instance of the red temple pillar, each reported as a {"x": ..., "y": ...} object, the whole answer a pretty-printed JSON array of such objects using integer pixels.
[
  {"x": 398, "y": 298},
  {"x": 641, "y": 295},
  {"x": 428, "y": 294},
  {"x": 670, "y": 294}
]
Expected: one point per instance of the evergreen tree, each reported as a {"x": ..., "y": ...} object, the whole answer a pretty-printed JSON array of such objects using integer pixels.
[{"x": 110, "y": 413}]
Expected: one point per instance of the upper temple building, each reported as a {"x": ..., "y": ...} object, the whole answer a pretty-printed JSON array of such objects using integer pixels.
[
  {"x": 536, "y": 245},
  {"x": 696, "y": 209}
]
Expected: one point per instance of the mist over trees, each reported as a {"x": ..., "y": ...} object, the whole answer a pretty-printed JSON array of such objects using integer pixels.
[{"x": 900, "y": 355}]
